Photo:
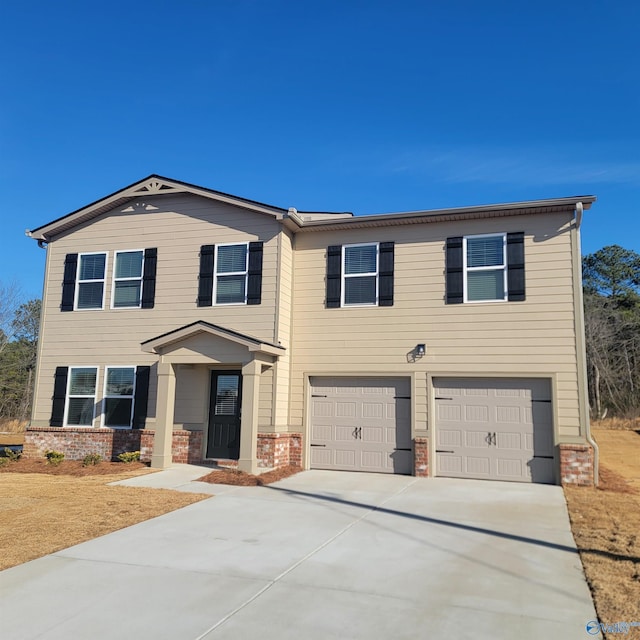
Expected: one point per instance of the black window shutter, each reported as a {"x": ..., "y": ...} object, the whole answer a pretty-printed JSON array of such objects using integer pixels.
[
  {"x": 59, "y": 396},
  {"x": 205, "y": 279},
  {"x": 455, "y": 288},
  {"x": 69, "y": 281},
  {"x": 385, "y": 274},
  {"x": 515, "y": 266},
  {"x": 141, "y": 398},
  {"x": 149, "y": 278},
  {"x": 254, "y": 274},
  {"x": 334, "y": 275}
]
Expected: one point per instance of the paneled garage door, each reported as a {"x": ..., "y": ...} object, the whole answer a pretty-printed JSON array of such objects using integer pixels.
[
  {"x": 361, "y": 424},
  {"x": 494, "y": 429}
]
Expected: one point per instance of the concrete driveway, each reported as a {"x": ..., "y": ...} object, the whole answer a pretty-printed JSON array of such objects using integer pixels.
[{"x": 320, "y": 555}]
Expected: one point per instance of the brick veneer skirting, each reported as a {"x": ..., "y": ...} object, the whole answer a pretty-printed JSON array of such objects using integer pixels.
[
  {"x": 78, "y": 442},
  {"x": 421, "y": 457},
  {"x": 576, "y": 464},
  {"x": 279, "y": 450}
]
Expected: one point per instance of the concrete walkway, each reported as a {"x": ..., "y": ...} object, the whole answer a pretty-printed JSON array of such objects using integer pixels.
[{"x": 318, "y": 556}]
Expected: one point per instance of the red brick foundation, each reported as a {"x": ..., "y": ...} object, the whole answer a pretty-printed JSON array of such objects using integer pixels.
[
  {"x": 279, "y": 450},
  {"x": 78, "y": 442},
  {"x": 421, "y": 457},
  {"x": 576, "y": 464}
]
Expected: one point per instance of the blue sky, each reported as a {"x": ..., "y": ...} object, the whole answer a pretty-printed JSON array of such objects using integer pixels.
[{"x": 337, "y": 105}]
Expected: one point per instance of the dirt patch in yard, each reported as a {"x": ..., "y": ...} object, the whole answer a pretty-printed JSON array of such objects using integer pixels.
[
  {"x": 55, "y": 508},
  {"x": 240, "y": 478},
  {"x": 605, "y": 522}
]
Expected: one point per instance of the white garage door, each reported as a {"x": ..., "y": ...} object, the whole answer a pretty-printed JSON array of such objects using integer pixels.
[
  {"x": 361, "y": 424},
  {"x": 494, "y": 429}
]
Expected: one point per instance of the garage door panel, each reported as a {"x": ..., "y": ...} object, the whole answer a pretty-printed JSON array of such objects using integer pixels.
[
  {"x": 322, "y": 409},
  {"x": 511, "y": 469},
  {"x": 449, "y": 437},
  {"x": 370, "y": 420},
  {"x": 477, "y": 466},
  {"x": 373, "y": 434},
  {"x": 321, "y": 457},
  {"x": 450, "y": 465},
  {"x": 498, "y": 428},
  {"x": 321, "y": 432},
  {"x": 514, "y": 441},
  {"x": 476, "y": 413}
]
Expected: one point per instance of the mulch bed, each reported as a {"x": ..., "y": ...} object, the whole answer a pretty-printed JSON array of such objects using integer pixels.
[
  {"x": 242, "y": 479},
  {"x": 70, "y": 467}
]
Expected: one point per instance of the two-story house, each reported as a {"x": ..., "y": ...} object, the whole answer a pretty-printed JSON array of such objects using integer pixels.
[{"x": 195, "y": 325}]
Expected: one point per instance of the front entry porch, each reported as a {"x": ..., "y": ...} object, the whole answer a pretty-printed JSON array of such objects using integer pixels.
[{"x": 236, "y": 363}]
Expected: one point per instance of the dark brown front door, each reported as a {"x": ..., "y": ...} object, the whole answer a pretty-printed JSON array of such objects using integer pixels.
[{"x": 224, "y": 415}]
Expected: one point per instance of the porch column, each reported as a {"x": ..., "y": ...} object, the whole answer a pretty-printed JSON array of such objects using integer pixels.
[
  {"x": 165, "y": 403},
  {"x": 249, "y": 420}
]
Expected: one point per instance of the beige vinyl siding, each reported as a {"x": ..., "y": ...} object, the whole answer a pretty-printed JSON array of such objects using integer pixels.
[
  {"x": 178, "y": 225},
  {"x": 534, "y": 337},
  {"x": 281, "y": 375},
  {"x": 192, "y": 396},
  {"x": 265, "y": 408}
]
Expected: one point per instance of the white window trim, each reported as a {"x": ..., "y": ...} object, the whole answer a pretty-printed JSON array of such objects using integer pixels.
[
  {"x": 79, "y": 282},
  {"x": 244, "y": 273},
  {"x": 67, "y": 396},
  {"x": 466, "y": 269},
  {"x": 114, "y": 279},
  {"x": 103, "y": 403},
  {"x": 375, "y": 273}
]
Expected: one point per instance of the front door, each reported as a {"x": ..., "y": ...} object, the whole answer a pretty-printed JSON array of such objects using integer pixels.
[{"x": 224, "y": 415}]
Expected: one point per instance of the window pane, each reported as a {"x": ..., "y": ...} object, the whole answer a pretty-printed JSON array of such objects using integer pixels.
[
  {"x": 232, "y": 258},
  {"x": 485, "y": 252},
  {"x": 485, "y": 285},
  {"x": 227, "y": 396},
  {"x": 82, "y": 382},
  {"x": 360, "y": 259},
  {"x": 90, "y": 295},
  {"x": 230, "y": 289},
  {"x": 117, "y": 412},
  {"x": 80, "y": 412},
  {"x": 92, "y": 267},
  {"x": 120, "y": 381},
  {"x": 126, "y": 293},
  {"x": 360, "y": 290},
  {"x": 129, "y": 264}
]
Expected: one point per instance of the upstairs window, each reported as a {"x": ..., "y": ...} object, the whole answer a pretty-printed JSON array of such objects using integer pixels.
[
  {"x": 485, "y": 268},
  {"x": 360, "y": 274},
  {"x": 127, "y": 279},
  {"x": 90, "y": 289},
  {"x": 231, "y": 273},
  {"x": 119, "y": 389},
  {"x": 81, "y": 396}
]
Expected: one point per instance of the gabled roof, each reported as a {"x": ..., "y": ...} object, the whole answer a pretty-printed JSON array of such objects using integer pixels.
[
  {"x": 152, "y": 185},
  {"x": 200, "y": 326},
  {"x": 297, "y": 221}
]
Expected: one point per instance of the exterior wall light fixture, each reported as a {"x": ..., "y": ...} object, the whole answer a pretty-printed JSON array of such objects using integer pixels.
[{"x": 421, "y": 350}]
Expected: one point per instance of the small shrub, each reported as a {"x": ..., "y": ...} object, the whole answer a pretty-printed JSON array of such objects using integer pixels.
[
  {"x": 11, "y": 455},
  {"x": 4, "y": 462},
  {"x": 91, "y": 459},
  {"x": 54, "y": 457},
  {"x": 129, "y": 456}
]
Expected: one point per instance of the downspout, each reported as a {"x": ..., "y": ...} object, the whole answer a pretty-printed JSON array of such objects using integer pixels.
[{"x": 583, "y": 393}]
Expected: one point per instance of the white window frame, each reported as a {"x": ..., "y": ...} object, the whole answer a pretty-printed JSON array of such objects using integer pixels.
[
  {"x": 466, "y": 269},
  {"x": 345, "y": 275},
  {"x": 79, "y": 281},
  {"x": 244, "y": 273},
  {"x": 103, "y": 404},
  {"x": 114, "y": 279},
  {"x": 68, "y": 396}
]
